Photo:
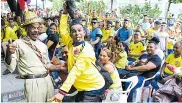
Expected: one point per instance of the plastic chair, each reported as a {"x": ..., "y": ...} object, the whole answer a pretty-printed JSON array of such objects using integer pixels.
[
  {"x": 140, "y": 91},
  {"x": 118, "y": 95}
]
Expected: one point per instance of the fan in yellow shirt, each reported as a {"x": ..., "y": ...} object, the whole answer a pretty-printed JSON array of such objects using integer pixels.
[
  {"x": 94, "y": 14},
  {"x": 4, "y": 18},
  {"x": 21, "y": 30},
  {"x": 82, "y": 73},
  {"x": 120, "y": 58},
  {"x": 174, "y": 59},
  {"x": 136, "y": 48},
  {"x": 107, "y": 33},
  {"x": 12, "y": 24},
  {"x": 171, "y": 40},
  {"x": 6, "y": 33},
  {"x": 107, "y": 17},
  {"x": 105, "y": 57},
  {"x": 151, "y": 31}
]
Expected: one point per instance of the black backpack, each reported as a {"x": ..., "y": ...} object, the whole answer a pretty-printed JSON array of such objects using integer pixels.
[{"x": 104, "y": 73}]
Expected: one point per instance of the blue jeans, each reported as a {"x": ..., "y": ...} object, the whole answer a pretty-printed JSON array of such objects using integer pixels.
[
  {"x": 128, "y": 72},
  {"x": 131, "y": 60},
  {"x": 90, "y": 96},
  {"x": 123, "y": 71},
  {"x": 97, "y": 49}
]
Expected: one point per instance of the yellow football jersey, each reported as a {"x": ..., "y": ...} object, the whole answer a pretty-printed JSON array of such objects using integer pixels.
[
  {"x": 177, "y": 62},
  {"x": 136, "y": 48},
  {"x": 106, "y": 34}
]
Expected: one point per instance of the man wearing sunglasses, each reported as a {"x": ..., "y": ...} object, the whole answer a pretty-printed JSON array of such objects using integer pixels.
[{"x": 95, "y": 36}]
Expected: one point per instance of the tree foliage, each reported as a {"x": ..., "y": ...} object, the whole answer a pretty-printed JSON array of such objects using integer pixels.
[
  {"x": 94, "y": 5},
  {"x": 81, "y": 5},
  {"x": 57, "y": 5},
  {"x": 175, "y": 1},
  {"x": 180, "y": 15},
  {"x": 136, "y": 12},
  {"x": 168, "y": 8}
]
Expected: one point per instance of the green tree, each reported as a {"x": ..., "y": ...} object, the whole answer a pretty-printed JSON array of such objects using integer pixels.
[
  {"x": 81, "y": 5},
  {"x": 57, "y": 5},
  {"x": 94, "y": 5},
  {"x": 169, "y": 5},
  {"x": 136, "y": 12},
  {"x": 180, "y": 15}
]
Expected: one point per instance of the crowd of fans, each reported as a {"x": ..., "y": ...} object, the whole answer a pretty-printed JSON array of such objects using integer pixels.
[{"x": 125, "y": 50}]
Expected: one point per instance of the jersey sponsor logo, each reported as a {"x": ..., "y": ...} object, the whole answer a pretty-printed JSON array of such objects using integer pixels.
[
  {"x": 177, "y": 64},
  {"x": 76, "y": 51}
]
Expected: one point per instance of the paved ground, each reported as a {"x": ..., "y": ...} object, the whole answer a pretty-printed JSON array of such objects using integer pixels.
[{"x": 12, "y": 89}]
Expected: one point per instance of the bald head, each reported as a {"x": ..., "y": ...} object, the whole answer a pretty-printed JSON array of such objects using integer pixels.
[{"x": 177, "y": 49}]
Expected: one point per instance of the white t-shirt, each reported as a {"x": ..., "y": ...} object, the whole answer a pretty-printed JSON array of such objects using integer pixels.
[
  {"x": 115, "y": 31},
  {"x": 160, "y": 53},
  {"x": 144, "y": 25},
  {"x": 162, "y": 37},
  {"x": 43, "y": 37}
]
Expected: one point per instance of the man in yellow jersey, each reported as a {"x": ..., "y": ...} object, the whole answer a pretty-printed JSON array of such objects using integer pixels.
[
  {"x": 21, "y": 32},
  {"x": 107, "y": 33},
  {"x": 136, "y": 48},
  {"x": 82, "y": 73},
  {"x": 174, "y": 59},
  {"x": 12, "y": 24}
]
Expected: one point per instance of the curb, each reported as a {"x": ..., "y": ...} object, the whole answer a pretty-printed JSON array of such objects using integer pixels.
[{"x": 12, "y": 96}]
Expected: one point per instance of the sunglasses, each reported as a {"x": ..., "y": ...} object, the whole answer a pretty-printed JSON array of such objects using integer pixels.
[{"x": 93, "y": 22}]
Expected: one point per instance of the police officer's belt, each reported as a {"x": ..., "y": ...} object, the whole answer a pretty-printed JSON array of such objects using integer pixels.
[{"x": 33, "y": 76}]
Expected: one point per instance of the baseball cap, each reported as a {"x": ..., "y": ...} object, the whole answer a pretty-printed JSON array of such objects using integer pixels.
[
  {"x": 157, "y": 22},
  {"x": 117, "y": 21}
]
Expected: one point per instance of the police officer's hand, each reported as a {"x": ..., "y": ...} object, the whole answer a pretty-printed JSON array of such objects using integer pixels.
[{"x": 11, "y": 48}]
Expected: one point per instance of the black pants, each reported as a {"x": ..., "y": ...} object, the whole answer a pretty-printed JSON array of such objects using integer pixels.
[{"x": 88, "y": 97}]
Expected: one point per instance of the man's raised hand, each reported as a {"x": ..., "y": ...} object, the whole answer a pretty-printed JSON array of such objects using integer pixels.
[{"x": 11, "y": 48}]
